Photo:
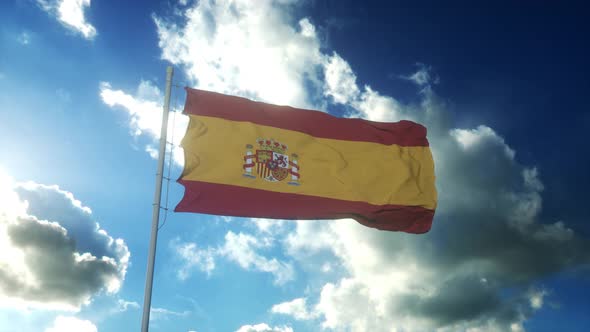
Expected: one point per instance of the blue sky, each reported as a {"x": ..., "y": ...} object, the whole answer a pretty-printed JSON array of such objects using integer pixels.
[{"x": 501, "y": 87}]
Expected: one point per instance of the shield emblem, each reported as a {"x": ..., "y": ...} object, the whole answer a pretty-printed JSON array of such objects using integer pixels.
[{"x": 271, "y": 162}]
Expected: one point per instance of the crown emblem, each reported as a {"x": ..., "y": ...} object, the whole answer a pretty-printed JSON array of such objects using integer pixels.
[{"x": 272, "y": 145}]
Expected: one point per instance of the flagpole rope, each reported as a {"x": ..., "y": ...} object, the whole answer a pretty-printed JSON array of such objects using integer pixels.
[{"x": 170, "y": 158}]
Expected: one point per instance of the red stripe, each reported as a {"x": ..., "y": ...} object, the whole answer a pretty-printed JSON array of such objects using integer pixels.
[
  {"x": 314, "y": 123},
  {"x": 227, "y": 200}
]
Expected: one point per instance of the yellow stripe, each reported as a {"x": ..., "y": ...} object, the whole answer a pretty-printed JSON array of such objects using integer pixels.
[{"x": 347, "y": 170}]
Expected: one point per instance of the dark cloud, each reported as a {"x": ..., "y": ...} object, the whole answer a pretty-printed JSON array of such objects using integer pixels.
[
  {"x": 505, "y": 252},
  {"x": 487, "y": 240},
  {"x": 66, "y": 256},
  {"x": 51, "y": 203},
  {"x": 481, "y": 264},
  {"x": 459, "y": 299}
]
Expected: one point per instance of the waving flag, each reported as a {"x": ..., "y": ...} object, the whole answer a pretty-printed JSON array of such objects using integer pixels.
[{"x": 251, "y": 159}]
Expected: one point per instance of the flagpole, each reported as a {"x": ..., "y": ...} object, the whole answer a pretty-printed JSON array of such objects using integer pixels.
[{"x": 149, "y": 278}]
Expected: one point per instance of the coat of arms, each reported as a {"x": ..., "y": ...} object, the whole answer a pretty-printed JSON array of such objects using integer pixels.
[{"x": 271, "y": 162}]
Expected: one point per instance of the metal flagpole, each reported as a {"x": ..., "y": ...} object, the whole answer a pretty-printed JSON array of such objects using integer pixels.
[{"x": 149, "y": 277}]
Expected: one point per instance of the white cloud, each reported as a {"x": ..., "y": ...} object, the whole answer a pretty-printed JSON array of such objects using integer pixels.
[
  {"x": 163, "y": 314},
  {"x": 392, "y": 290},
  {"x": 145, "y": 115},
  {"x": 536, "y": 298},
  {"x": 269, "y": 226},
  {"x": 191, "y": 256},
  {"x": 71, "y": 324},
  {"x": 373, "y": 106},
  {"x": 340, "y": 81},
  {"x": 152, "y": 151},
  {"x": 262, "y": 327},
  {"x": 225, "y": 219},
  {"x": 24, "y": 38},
  {"x": 53, "y": 254},
  {"x": 473, "y": 138},
  {"x": 422, "y": 77},
  {"x": 70, "y": 13},
  {"x": 299, "y": 243},
  {"x": 145, "y": 109},
  {"x": 240, "y": 248},
  {"x": 245, "y": 48},
  {"x": 123, "y": 305},
  {"x": 296, "y": 308},
  {"x": 349, "y": 305}
]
